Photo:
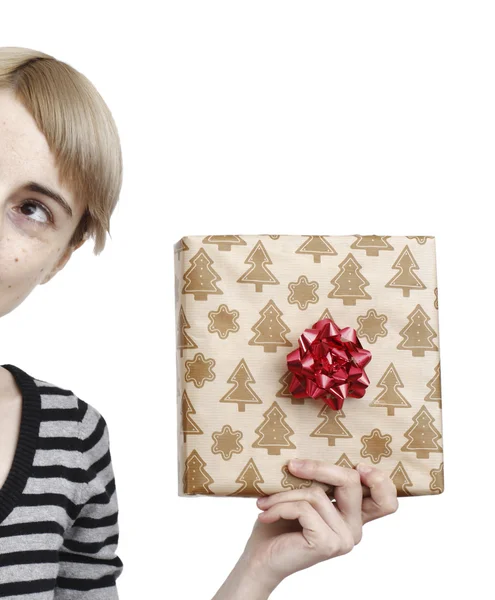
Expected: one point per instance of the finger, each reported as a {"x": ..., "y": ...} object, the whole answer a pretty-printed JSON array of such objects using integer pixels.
[
  {"x": 315, "y": 534},
  {"x": 347, "y": 490},
  {"x": 318, "y": 500},
  {"x": 383, "y": 493}
]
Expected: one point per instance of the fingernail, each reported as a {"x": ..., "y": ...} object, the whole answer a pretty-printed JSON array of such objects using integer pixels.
[
  {"x": 363, "y": 468},
  {"x": 296, "y": 462},
  {"x": 261, "y": 501}
]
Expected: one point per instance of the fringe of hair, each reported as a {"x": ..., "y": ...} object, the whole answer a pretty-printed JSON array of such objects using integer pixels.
[{"x": 80, "y": 131}]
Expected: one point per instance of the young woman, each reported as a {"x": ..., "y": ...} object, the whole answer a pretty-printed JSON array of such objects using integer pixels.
[{"x": 60, "y": 179}]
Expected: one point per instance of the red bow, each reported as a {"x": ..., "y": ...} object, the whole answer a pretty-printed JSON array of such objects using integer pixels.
[{"x": 329, "y": 364}]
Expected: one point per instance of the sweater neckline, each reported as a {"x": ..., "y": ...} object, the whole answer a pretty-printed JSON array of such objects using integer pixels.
[{"x": 27, "y": 442}]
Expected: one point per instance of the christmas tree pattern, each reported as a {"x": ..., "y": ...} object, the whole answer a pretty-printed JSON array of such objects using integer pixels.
[
  {"x": 331, "y": 428},
  {"x": 349, "y": 283},
  {"x": 326, "y": 315},
  {"x": 422, "y": 436},
  {"x": 177, "y": 377},
  {"x": 401, "y": 480},
  {"x": 344, "y": 461},
  {"x": 189, "y": 426},
  {"x": 435, "y": 393},
  {"x": 184, "y": 342},
  {"x": 284, "y": 391},
  {"x": 405, "y": 278},
  {"x": 179, "y": 247},
  {"x": 270, "y": 330},
  {"x": 201, "y": 277},
  {"x": 421, "y": 239},
  {"x": 417, "y": 333},
  {"x": 372, "y": 244},
  {"x": 211, "y": 330},
  {"x": 258, "y": 273},
  {"x": 437, "y": 482},
  {"x": 291, "y": 482},
  {"x": 249, "y": 478},
  {"x": 176, "y": 290},
  {"x": 274, "y": 432},
  {"x": 224, "y": 242},
  {"x": 390, "y": 397},
  {"x": 318, "y": 246},
  {"x": 241, "y": 393},
  {"x": 196, "y": 479}
]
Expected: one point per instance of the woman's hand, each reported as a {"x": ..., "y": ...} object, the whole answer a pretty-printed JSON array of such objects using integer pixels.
[{"x": 299, "y": 528}]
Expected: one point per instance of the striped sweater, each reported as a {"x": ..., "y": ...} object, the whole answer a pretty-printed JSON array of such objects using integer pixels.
[{"x": 58, "y": 505}]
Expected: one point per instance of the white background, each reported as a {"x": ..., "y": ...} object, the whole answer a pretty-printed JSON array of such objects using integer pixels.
[{"x": 275, "y": 117}]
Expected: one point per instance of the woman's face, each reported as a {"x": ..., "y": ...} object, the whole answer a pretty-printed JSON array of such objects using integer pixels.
[{"x": 34, "y": 227}]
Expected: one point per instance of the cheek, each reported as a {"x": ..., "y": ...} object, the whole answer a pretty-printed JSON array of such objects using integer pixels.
[
  {"x": 20, "y": 272},
  {"x": 24, "y": 267}
]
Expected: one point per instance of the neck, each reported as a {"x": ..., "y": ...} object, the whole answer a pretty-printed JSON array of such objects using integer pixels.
[{"x": 8, "y": 388}]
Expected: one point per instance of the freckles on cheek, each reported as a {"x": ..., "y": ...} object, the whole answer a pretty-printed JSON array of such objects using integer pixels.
[{"x": 23, "y": 270}]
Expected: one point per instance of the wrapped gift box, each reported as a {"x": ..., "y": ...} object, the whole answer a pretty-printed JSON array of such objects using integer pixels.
[{"x": 242, "y": 303}]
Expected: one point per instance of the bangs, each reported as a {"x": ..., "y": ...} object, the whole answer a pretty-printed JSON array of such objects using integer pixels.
[{"x": 80, "y": 132}]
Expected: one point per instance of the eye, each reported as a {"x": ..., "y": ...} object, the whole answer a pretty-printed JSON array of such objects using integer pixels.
[{"x": 36, "y": 211}]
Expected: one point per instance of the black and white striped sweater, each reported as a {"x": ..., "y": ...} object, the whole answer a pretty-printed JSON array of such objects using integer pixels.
[{"x": 58, "y": 505}]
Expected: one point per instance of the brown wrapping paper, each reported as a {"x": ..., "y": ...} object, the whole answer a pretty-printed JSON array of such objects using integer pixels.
[{"x": 241, "y": 304}]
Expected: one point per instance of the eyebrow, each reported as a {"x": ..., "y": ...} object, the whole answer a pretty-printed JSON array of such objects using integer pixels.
[{"x": 32, "y": 186}]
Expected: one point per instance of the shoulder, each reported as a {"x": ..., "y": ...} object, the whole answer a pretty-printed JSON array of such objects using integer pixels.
[
  {"x": 90, "y": 420},
  {"x": 71, "y": 421},
  {"x": 63, "y": 404},
  {"x": 72, "y": 434},
  {"x": 88, "y": 431}
]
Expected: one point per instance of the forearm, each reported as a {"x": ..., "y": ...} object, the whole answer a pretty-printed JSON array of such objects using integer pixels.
[{"x": 245, "y": 582}]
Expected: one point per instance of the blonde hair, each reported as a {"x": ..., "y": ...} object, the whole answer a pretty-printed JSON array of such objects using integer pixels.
[{"x": 79, "y": 129}]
